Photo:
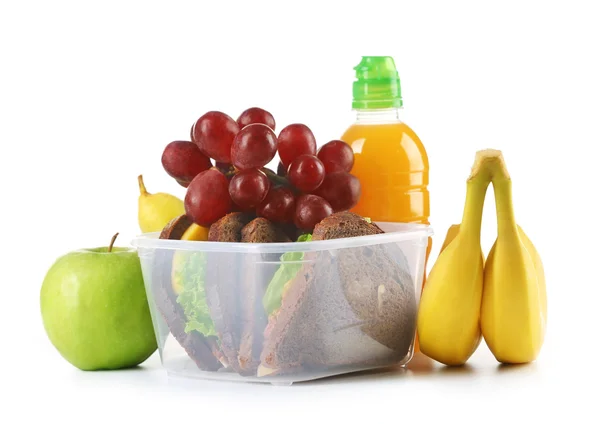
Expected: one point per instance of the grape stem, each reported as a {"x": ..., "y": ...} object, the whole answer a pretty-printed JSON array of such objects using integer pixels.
[{"x": 276, "y": 179}]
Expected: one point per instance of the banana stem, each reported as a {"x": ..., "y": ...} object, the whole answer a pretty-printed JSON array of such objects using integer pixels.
[
  {"x": 143, "y": 190},
  {"x": 504, "y": 206},
  {"x": 495, "y": 166},
  {"x": 473, "y": 211},
  {"x": 477, "y": 185}
]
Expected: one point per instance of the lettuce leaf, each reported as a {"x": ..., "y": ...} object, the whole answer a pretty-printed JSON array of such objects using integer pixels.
[
  {"x": 305, "y": 237},
  {"x": 193, "y": 297},
  {"x": 291, "y": 262}
]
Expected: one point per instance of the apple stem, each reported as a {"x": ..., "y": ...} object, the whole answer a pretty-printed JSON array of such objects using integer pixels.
[
  {"x": 112, "y": 241},
  {"x": 142, "y": 186}
]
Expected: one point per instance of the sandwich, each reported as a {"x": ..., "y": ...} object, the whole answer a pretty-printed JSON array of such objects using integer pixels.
[
  {"x": 200, "y": 345},
  {"x": 234, "y": 288},
  {"x": 208, "y": 305},
  {"x": 263, "y": 314},
  {"x": 351, "y": 306}
]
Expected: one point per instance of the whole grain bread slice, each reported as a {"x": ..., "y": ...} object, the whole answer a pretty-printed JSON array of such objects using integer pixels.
[
  {"x": 222, "y": 284},
  {"x": 261, "y": 230},
  {"x": 344, "y": 224},
  {"x": 176, "y": 227},
  {"x": 195, "y": 344},
  {"x": 376, "y": 307},
  {"x": 353, "y": 306},
  {"x": 258, "y": 271},
  {"x": 229, "y": 228}
]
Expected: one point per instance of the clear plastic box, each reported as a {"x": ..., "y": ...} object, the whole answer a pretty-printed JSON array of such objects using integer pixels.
[{"x": 285, "y": 312}]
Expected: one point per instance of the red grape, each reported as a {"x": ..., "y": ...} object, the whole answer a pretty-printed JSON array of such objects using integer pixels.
[
  {"x": 183, "y": 160},
  {"x": 256, "y": 115},
  {"x": 213, "y": 133},
  {"x": 295, "y": 140},
  {"x": 336, "y": 156},
  {"x": 281, "y": 169},
  {"x": 331, "y": 167},
  {"x": 310, "y": 210},
  {"x": 253, "y": 147},
  {"x": 248, "y": 188},
  {"x": 278, "y": 206},
  {"x": 341, "y": 190},
  {"x": 207, "y": 197},
  {"x": 306, "y": 173}
]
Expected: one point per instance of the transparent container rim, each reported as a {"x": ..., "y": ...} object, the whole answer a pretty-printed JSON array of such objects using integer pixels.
[{"x": 401, "y": 232}]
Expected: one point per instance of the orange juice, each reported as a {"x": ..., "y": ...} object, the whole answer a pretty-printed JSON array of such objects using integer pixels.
[{"x": 392, "y": 166}]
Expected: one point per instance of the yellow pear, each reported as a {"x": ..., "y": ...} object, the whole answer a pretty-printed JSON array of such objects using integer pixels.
[{"x": 156, "y": 210}]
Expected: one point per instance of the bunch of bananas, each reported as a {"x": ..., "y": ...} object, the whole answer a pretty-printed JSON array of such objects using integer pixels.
[{"x": 502, "y": 298}]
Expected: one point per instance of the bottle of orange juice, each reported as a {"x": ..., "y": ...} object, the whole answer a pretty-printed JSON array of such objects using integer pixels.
[{"x": 389, "y": 158}]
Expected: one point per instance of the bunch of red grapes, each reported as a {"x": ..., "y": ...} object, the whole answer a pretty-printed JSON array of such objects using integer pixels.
[{"x": 307, "y": 187}]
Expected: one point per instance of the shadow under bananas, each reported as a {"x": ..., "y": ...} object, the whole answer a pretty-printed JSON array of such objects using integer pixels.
[
  {"x": 516, "y": 368},
  {"x": 423, "y": 365}
]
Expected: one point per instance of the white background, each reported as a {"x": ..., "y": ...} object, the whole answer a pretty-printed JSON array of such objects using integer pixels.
[{"x": 91, "y": 92}]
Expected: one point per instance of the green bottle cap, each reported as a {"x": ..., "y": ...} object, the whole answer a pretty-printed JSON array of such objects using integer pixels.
[{"x": 377, "y": 84}]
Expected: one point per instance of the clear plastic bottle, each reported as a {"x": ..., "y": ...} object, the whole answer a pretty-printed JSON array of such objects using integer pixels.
[{"x": 389, "y": 158}]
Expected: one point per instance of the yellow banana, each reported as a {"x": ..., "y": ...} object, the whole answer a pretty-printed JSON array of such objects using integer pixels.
[
  {"x": 450, "y": 235},
  {"x": 514, "y": 310},
  {"x": 156, "y": 210},
  {"x": 539, "y": 269},
  {"x": 448, "y": 318}
]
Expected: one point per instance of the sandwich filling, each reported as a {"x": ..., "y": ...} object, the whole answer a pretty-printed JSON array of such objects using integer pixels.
[
  {"x": 291, "y": 262},
  {"x": 189, "y": 276}
]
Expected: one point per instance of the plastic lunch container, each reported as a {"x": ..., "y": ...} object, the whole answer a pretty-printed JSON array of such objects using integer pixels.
[{"x": 285, "y": 312}]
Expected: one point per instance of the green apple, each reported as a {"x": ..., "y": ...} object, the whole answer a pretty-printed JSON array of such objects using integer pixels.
[{"x": 95, "y": 309}]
